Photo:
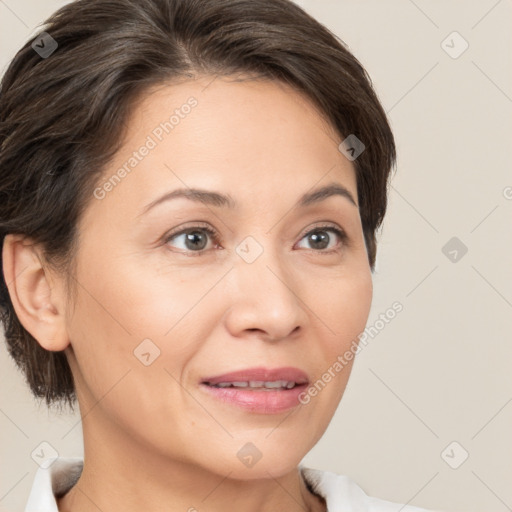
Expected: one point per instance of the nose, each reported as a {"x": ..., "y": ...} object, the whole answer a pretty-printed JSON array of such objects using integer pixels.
[{"x": 265, "y": 299}]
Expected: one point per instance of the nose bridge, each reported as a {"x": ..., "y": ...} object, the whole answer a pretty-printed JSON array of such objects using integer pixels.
[
  {"x": 260, "y": 261},
  {"x": 266, "y": 297}
]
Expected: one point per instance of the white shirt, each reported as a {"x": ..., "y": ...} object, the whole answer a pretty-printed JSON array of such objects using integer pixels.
[{"x": 341, "y": 494}]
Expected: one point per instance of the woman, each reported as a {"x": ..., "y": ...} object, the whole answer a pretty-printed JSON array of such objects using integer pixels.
[{"x": 190, "y": 196}]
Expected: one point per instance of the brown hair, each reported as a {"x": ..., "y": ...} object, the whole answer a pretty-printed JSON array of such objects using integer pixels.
[{"x": 62, "y": 117}]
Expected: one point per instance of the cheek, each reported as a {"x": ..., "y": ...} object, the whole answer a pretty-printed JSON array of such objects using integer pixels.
[
  {"x": 341, "y": 306},
  {"x": 346, "y": 307},
  {"x": 125, "y": 365},
  {"x": 127, "y": 302},
  {"x": 346, "y": 304},
  {"x": 137, "y": 319}
]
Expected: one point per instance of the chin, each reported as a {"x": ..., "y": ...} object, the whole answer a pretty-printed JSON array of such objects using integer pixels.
[{"x": 250, "y": 463}]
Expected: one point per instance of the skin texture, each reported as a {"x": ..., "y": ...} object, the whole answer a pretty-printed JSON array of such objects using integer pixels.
[{"x": 153, "y": 439}]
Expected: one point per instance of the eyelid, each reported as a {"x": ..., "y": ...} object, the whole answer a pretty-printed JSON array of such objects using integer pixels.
[
  {"x": 194, "y": 224},
  {"x": 325, "y": 225}
]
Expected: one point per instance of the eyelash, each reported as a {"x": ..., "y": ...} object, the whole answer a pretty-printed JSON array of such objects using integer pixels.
[{"x": 215, "y": 236}]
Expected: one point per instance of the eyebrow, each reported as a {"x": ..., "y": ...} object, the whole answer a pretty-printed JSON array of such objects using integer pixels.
[{"x": 211, "y": 198}]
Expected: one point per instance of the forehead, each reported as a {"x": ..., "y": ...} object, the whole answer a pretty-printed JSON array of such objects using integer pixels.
[
  {"x": 248, "y": 138},
  {"x": 235, "y": 96}
]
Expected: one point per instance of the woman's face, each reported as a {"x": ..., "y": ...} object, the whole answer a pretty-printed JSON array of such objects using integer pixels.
[{"x": 163, "y": 304}]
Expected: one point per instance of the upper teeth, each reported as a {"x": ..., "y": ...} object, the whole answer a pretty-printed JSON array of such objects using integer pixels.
[{"x": 258, "y": 384}]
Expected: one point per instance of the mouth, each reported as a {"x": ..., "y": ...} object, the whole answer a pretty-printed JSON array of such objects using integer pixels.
[
  {"x": 260, "y": 378},
  {"x": 259, "y": 390},
  {"x": 256, "y": 385}
]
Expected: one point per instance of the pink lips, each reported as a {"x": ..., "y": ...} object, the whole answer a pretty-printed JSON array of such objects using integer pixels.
[{"x": 261, "y": 401}]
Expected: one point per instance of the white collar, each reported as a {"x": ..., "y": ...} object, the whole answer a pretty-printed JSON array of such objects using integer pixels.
[{"x": 339, "y": 491}]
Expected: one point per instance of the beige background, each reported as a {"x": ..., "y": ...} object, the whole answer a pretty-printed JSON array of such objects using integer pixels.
[{"x": 440, "y": 370}]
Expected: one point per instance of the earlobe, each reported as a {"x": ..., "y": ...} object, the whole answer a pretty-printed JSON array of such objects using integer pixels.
[{"x": 39, "y": 306}]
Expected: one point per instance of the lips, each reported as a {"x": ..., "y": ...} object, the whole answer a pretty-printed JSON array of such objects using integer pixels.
[
  {"x": 258, "y": 390},
  {"x": 259, "y": 378}
]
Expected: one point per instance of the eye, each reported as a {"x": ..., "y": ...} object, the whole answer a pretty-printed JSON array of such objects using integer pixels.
[
  {"x": 194, "y": 238},
  {"x": 319, "y": 239}
]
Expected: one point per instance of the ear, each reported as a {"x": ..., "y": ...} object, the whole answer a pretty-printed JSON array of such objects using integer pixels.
[{"x": 38, "y": 301}]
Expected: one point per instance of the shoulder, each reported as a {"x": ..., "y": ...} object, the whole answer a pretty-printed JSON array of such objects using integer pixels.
[{"x": 342, "y": 493}]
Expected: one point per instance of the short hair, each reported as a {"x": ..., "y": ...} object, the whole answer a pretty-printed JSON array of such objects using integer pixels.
[{"x": 63, "y": 116}]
